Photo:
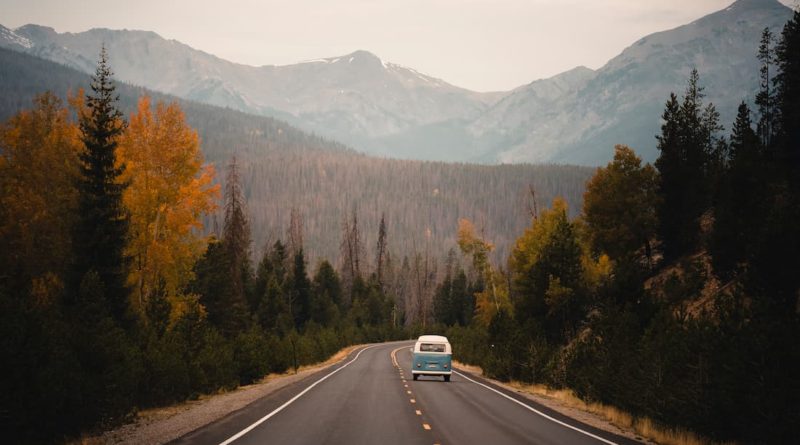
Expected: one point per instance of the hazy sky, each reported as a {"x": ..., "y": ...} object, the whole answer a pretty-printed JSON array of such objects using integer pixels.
[{"x": 482, "y": 45}]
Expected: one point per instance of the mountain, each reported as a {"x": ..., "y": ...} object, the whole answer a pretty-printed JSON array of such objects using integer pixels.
[
  {"x": 389, "y": 110},
  {"x": 352, "y": 98},
  {"x": 622, "y": 102},
  {"x": 283, "y": 167}
]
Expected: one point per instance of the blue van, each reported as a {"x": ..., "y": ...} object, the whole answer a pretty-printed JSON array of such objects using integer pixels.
[{"x": 432, "y": 356}]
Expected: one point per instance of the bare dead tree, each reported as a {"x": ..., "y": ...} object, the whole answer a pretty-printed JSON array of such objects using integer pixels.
[
  {"x": 533, "y": 208},
  {"x": 381, "y": 252},
  {"x": 351, "y": 252},
  {"x": 346, "y": 266},
  {"x": 424, "y": 275},
  {"x": 357, "y": 244},
  {"x": 295, "y": 231}
]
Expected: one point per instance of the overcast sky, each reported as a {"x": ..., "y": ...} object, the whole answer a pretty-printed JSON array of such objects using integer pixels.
[{"x": 483, "y": 45}]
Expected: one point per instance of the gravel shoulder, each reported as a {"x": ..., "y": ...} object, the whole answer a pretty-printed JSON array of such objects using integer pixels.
[
  {"x": 165, "y": 424},
  {"x": 567, "y": 405}
]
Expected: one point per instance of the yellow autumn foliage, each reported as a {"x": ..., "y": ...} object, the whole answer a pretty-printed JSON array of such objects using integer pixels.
[
  {"x": 495, "y": 294},
  {"x": 169, "y": 190}
]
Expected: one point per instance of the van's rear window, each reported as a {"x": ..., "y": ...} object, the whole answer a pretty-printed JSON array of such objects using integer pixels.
[{"x": 431, "y": 347}]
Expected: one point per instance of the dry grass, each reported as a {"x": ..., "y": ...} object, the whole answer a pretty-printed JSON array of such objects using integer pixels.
[
  {"x": 641, "y": 426},
  {"x": 333, "y": 359}
]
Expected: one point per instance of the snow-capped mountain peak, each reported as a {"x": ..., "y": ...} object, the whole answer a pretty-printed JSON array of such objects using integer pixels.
[{"x": 10, "y": 39}]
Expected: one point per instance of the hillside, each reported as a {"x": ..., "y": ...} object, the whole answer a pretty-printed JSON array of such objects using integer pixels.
[
  {"x": 284, "y": 167},
  {"x": 621, "y": 102}
]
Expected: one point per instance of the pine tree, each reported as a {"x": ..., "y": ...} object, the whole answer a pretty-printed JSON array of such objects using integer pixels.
[
  {"x": 300, "y": 291},
  {"x": 689, "y": 164},
  {"x": 236, "y": 241},
  {"x": 269, "y": 300},
  {"x": 787, "y": 86},
  {"x": 739, "y": 208},
  {"x": 765, "y": 97},
  {"x": 326, "y": 295},
  {"x": 101, "y": 233},
  {"x": 443, "y": 301},
  {"x": 670, "y": 166},
  {"x": 773, "y": 270},
  {"x": 212, "y": 282}
]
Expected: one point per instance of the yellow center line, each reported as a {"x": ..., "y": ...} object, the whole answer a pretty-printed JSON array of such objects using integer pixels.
[
  {"x": 394, "y": 357},
  {"x": 426, "y": 426}
]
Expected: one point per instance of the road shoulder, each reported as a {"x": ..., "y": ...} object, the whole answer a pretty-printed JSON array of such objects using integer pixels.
[
  {"x": 165, "y": 424},
  {"x": 557, "y": 403}
]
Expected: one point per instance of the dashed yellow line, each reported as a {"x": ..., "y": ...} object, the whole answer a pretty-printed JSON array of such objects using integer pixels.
[{"x": 426, "y": 426}]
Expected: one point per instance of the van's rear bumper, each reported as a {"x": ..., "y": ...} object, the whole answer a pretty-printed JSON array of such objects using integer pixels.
[{"x": 423, "y": 372}]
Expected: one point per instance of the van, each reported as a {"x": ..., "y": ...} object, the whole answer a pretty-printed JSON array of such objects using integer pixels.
[{"x": 432, "y": 356}]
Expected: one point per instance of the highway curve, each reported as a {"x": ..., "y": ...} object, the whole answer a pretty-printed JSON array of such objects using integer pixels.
[{"x": 370, "y": 398}]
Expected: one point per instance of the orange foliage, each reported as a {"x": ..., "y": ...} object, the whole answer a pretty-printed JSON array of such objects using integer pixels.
[
  {"x": 169, "y": 191},
  {"x": 38, "y": 200}
]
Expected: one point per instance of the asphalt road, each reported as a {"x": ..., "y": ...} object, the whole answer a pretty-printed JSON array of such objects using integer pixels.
[{"x": 370, "y": 398}]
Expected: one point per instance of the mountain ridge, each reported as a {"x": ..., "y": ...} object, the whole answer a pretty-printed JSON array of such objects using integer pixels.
[{"x": 386, "y": 109}]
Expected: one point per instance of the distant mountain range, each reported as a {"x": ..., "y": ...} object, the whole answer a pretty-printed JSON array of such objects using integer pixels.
[{"x": 386, "y": 109}]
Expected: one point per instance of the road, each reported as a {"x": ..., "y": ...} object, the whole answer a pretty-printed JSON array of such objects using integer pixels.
[{"x": 370, "y": 398}]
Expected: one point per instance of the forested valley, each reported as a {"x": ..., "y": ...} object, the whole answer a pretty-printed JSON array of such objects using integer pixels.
[
  {"x": 284, "y": 168},
  {"x": 138, "y": 270}
]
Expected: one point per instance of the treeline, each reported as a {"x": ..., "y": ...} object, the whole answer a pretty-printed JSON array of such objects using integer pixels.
[
  {"x": 421, "y": 201},
  {"x": 675, "y": 295},
  {"x": 112, "y": 300}
]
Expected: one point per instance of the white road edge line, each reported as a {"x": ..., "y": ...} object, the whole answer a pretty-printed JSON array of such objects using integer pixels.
[
  {"x": 537, "y": 411},
  {"x": 289, "y": 402}
]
